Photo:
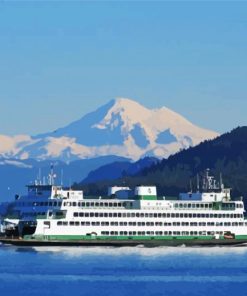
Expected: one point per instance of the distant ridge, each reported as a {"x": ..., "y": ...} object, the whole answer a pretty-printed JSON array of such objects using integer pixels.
[
  {"x": 121, "y": 127},
  {"x": 226, "y": 154}
]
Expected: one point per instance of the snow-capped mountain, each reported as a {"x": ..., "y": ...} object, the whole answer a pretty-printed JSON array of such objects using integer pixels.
[{"x": 121, "y": 127}]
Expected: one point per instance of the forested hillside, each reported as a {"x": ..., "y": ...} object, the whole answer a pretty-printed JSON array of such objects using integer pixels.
[{"x": 226, "y": 154}]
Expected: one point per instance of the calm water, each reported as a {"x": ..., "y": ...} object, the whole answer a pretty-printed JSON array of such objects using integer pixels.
[{"x": 123, "y": 271}]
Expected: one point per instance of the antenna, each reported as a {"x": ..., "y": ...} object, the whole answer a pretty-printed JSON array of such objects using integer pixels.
[
  {"x": 39, "y": 177},
  {"x": 221, "y": 182},
  {"x": 52, "y": 176},
  {"x": 198, "y": 183},
  {"x": 61, "y": 177},
  {"x": 191, "y": 189}
]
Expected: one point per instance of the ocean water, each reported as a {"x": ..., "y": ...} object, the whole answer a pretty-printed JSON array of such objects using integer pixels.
[{"x": 123, "y": 271}]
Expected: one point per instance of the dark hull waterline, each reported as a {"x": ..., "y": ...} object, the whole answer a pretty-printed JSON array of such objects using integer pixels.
[{"x": 122, "y": 243}]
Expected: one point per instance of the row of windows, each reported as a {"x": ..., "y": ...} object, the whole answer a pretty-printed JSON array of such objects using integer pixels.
[
  {"x": 141, "y": 224},
  {"x": 156, "y": 215},
  {"x": 225, "y": 206},
  {"x": 40, "y": 204},
  {"x": 98, "y": 204},
  {"x": 143, "y": 233},
  {"x": 76, "y": 204}
]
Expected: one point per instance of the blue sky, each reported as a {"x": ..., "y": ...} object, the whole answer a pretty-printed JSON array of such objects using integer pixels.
[{"x": 60, "y": 60}]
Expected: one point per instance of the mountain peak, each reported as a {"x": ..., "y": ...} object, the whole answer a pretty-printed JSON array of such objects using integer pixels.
[
  {"x": 121, "y": 127},
  {"x": 126, "y": 104}
]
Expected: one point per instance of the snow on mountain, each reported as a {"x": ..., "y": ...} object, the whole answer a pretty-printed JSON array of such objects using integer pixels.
[{"x": 121, "y": 127}]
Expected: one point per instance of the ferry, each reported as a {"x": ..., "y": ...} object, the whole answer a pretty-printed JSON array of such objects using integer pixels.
[{"x": 53, "y": 215}]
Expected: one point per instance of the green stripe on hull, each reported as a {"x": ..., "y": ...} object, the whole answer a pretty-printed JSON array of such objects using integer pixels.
[{"x": 135, "y": 238}]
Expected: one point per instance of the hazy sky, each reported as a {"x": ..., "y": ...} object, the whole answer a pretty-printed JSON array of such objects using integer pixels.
[{"x": 60, "y": 60}]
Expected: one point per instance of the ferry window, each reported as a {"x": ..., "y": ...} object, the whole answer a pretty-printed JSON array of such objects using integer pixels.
[
  {"x": 119, "y": 215},
  {"x": 59, "y": 223},
  {"x": 241, "y": 223},
  {"x": 65, "y": 223},
  {"x": 110, "y": 205},
  {"x": 97, "y": 204},
  {"x": 181, "y": 215},
  {"x": 77, "y": 223},
  {"x": 198, "y": 206},
  {"x": 207, "y": 215},
  {"x": 91, "y": 214},
  {"x": 193, "y": 206},
  {"x": 115, "y": 204},
  {"x": 92, "y": 204},
  {"x": 105, "y": 215},
  {"x": 114, "y": 215},
  {"x": 83, "y": 204},
  {"x": 72, "y": 223},
  {"x": 189, "y": 206},
  {"x": 76, "y": 215},
  {"x": 168, "y": 215},
  {"x": 176, "y": 205},
  {"x": 87, "y": 204},
  {"x": 180, "y": 205},
  {"x": 150, "y": 215},
  {"x": 55, "y": 204},
  {"x": 137, "y": 215},
  {"x": 142, "y": 215},
  {"x": 203, "y": 215},
  {"x": 185, "y": 215},
  {"x": 158, "y": 223},
  {"x": 81, "y": 214},
  {"x": 47, "y": 223},
  {"x": 177, "y": 215},
  {"x": 119, "y": 204},
  {"x": 146, "y": 215},
  {"x": 220, "y": 215},
  {"x": 164, "y": 215},
  {"x": 87, "y": 223},
  {"x": 83, "y": 223},
  {"x": 102, "y": 215},
  {"x": 50, "y": 204},
  {"x": 124, "y": 215},
  {"x": 133, "y": 215},
  {"x": 101, "y": 204},
  {"x": 110, "y": 215},
  {"x": 235, "y": 215},
  {"x": 173, "y": 215},
  {"x": 231, "y": 215},
  {"x": 86, "y": 214},
  {"x": 190, "y": 215},
  {"x": 96, "y": 215},
  {"x": 46, "y": 203}
]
